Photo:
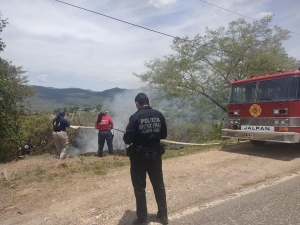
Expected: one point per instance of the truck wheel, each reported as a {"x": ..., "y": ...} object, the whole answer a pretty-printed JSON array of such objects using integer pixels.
[{"x": 258, "y": 143}]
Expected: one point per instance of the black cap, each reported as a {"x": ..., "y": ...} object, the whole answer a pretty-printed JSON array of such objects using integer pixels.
[
  {"x": 142, "y": 99},
  {"x": 62, "y": 112}
]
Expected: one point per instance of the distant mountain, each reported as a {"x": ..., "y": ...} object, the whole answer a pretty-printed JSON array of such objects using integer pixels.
[{"x": 48, "y": 98}]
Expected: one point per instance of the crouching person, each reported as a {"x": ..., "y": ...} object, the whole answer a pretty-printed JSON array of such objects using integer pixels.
[{"x": 25, "y": 149}]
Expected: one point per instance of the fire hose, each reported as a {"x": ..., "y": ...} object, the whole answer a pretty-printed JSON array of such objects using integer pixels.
[{"x": 162, "y": 140}]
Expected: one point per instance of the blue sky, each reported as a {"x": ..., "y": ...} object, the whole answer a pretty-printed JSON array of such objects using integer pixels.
[{"x": 61, "y": 46}]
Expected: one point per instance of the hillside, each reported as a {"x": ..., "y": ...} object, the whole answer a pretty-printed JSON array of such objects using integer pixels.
[{"x": 48, "y": 98}]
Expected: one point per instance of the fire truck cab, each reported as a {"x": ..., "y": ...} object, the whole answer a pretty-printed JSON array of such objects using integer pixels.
[{"x": 265, "y": 108}]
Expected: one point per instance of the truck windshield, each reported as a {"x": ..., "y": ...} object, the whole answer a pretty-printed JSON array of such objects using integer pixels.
[
  {"x": 243, "y": 93},
  {"x": 277, "y": 89},
  {"x": 281, "y": 89}
]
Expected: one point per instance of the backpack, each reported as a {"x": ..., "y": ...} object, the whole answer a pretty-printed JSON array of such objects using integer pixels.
[{"x": 56, "y": 125}]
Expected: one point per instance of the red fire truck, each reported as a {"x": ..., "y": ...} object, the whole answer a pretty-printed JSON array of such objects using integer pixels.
[{"x": 265, "y": 108}]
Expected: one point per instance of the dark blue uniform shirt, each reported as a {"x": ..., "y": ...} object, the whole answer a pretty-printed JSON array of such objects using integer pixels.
[
  {"x": 145, "y": 127},
  {"x": 60, "y": 124}
]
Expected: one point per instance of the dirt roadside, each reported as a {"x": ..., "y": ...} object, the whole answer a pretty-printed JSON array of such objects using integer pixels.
[{"x": 109, "y": 199}]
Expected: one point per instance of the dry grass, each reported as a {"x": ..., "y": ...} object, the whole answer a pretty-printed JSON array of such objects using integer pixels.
[{"x": 48, "y": 168}]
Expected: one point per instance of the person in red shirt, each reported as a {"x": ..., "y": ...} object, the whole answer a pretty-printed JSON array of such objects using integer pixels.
[{"x": 104, "y": 124}]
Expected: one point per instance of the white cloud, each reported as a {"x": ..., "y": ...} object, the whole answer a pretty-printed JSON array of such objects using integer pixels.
[
  {"x": 262, "y": 14},
  {"x": 248, "y": 2},
  {"x": 42, "y": 78},
  {"x": 161, "y": 3}
]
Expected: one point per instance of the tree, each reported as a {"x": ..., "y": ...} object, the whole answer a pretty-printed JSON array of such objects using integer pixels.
[
  {"x": 13, "y": 92},
  {"x": 3, "y": 24},
  {"x": 202, "y": 68},
  {"x": 99, "y": 107}
]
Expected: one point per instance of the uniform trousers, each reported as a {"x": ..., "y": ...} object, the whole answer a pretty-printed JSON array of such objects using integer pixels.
[
  {"x": 150, "y": 163},
  {"x": 102, "y": 136},
  {"x": 61, "y": 142}
]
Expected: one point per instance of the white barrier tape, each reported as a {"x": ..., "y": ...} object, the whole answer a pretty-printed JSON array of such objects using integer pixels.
[{"x": 162, "y": 140}]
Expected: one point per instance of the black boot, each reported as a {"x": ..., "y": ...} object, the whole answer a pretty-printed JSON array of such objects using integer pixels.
[
  {"x": 99, "y": 153},
  {"x": 163, "y": 219}
]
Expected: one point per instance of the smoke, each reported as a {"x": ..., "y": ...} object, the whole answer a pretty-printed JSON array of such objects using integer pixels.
[
  {"x": 87, "y": 141},
  {"x": 119, "y": 109}
]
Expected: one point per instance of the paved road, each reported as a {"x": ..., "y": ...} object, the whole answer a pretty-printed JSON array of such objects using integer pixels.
[{"x": 270, "y": 203}]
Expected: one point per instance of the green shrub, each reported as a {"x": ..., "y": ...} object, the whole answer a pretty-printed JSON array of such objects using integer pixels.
[{"x": 195, "y": 132}]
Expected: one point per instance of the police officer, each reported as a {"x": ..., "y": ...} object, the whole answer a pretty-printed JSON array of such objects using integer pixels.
[
  {"x": 145, "y": 129},
  {"x": 59, "y": 134}
]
